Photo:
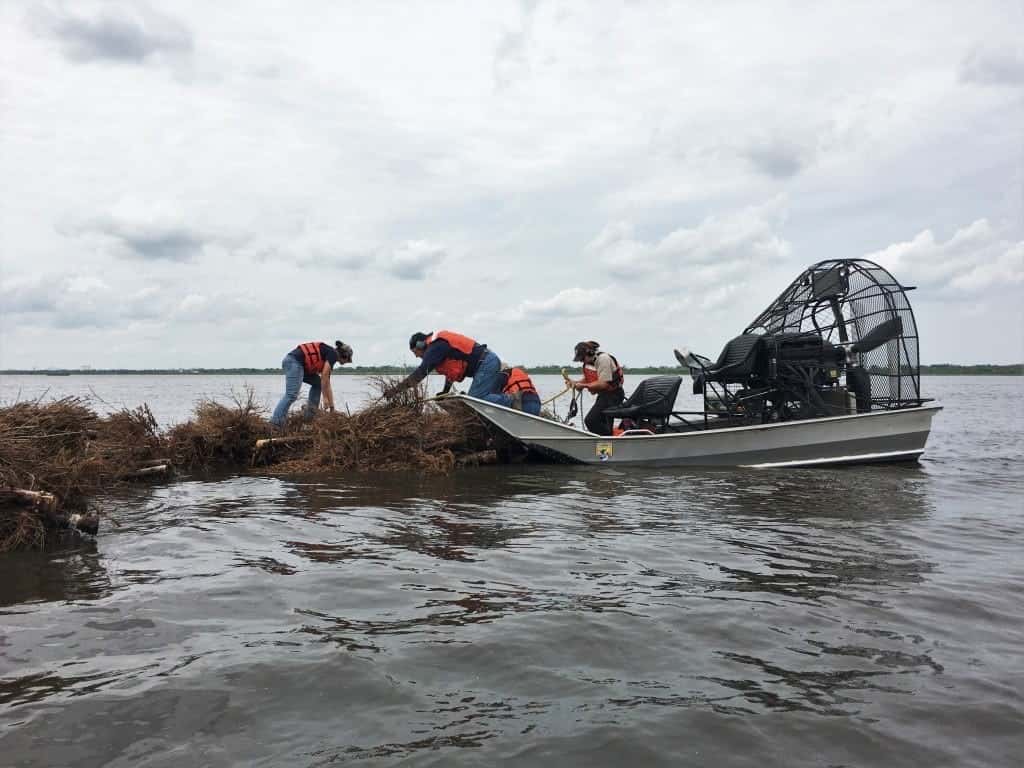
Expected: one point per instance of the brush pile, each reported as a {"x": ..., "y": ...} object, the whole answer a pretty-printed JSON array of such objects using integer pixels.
[
  {"x": 219, "y": 436},
  {"x": 405, "y": 432},
  {"x": 56, "y": 456}
]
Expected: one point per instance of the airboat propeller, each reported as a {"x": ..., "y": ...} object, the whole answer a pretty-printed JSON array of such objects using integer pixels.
[{"x": 876, "y": 337}]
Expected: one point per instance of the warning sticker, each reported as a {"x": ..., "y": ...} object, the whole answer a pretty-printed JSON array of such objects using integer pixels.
[{"x": 604, "y": 451}]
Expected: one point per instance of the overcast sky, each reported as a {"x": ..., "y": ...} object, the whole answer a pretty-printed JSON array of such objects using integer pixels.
[{"x": 210, "y": 183}]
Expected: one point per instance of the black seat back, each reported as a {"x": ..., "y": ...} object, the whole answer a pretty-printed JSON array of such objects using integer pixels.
[
  {"x": 653, "y": 398},
  {"x": 740, "y": 359}
]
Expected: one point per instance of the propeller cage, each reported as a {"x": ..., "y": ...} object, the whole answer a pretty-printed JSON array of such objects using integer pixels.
[{"x": 858, "y": 308}]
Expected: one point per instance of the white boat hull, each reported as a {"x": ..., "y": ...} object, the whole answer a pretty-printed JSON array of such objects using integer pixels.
[{"x": 879, "y": 436}]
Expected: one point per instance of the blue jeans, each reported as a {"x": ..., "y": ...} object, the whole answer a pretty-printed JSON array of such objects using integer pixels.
[
  {"x": 485, "y": 380},
  {"x": 530, "y": 402},
  {"x": 294, "y": 377}
]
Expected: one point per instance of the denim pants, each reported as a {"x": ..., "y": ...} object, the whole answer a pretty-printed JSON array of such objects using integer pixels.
[
  {"x": 485, "y": 380},
  {"x": 530, "y": 401},
  {"x": 294, "y": 377}
]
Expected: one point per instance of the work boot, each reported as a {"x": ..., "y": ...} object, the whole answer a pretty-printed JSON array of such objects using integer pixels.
[{"x": 517, "y": 400}]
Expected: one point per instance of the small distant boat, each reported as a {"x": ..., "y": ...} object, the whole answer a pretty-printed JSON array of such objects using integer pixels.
[{"x": 828, "y": 374}]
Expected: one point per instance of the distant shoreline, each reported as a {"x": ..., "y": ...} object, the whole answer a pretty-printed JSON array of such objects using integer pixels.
[{"x": 939, "y": 369}]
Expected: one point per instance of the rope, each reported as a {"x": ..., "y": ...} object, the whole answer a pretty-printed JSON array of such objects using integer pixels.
[
  {"x": 568, "y": 387},
  {"x": 555, "y": 397}
]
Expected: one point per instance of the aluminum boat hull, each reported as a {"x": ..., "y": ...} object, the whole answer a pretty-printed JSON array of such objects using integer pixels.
[{"x": 879, "y": 436}]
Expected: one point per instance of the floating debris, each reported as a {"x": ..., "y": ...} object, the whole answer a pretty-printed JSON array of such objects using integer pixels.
[{"x": 56, "y": 457}]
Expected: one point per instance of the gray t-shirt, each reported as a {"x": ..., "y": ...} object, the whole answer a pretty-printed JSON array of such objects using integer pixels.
[{"x": 605, "y": 367}]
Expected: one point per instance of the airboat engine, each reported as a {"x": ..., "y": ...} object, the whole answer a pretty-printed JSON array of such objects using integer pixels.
[{"x": 841, "y": 339}]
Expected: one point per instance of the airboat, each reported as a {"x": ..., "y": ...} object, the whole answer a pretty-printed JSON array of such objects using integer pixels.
[{"x": 828, "y": 374}]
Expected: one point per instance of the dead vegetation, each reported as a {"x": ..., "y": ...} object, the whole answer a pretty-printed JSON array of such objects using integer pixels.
[
  {"x": 57, "y": 456},
  {"x": 54, "y": 457},
  {"x": 409, "y": 431},
  {"x": 218, "y": 436}
]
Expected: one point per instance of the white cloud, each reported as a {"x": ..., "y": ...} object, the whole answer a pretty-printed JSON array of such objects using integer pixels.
[
  {"x": 571, "y": 302},
  {"x": 994, "y": 65},
  {"x": 151, "y": 233},
  {"x": 718, "y": 245},
  {"x": 976, "y": 258},
  {"x": 74, "y": 301},
  {"x": 414, "y": 259}
]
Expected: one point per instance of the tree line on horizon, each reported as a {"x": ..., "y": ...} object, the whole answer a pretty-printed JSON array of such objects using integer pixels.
[{"x": 935, "y": 369}]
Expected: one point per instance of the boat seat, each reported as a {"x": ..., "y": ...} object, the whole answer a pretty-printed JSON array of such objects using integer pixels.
[
  {"x": 654, "y": 398},
  {"x": 741, "y": 358}
]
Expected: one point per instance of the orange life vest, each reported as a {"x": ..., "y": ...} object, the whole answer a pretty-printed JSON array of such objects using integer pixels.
[
  {"x": 453, "y": 368},
  {"x": 590, "y": 372},
  {"x": 518, "y": 381},
  {"x": 312, "y": 361}
]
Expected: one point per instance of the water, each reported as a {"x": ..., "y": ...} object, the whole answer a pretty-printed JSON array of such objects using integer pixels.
[{"x": 535, "y": 615}]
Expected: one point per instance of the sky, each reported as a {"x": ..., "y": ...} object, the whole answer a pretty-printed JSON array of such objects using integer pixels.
[{"x": 197, "y": 184}]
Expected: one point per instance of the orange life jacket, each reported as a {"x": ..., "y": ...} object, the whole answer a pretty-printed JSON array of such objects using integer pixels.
[
  {"x": 518, "y": 381},
  {"x": 453, "y": 368},
  {"x": 590, "y": 372},
  {"x": 312, "y": 361}
]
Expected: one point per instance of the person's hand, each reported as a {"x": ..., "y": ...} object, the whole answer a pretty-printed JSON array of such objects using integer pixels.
[{"x": 578, "y": 385}]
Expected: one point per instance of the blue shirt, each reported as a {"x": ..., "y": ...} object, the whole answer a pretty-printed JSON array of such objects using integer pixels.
[{"x": 440, "y": 350}]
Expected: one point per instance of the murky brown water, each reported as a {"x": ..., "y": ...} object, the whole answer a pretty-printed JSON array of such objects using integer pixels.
[{"x": 540, "y": 616}]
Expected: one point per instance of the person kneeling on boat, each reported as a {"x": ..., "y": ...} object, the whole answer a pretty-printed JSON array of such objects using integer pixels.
[
  {"x": 310, "y": 363},
  {"x": 602, "y": 376},
  {"x": 517, "y": 391},
  {"x": 455, "y": 357}
]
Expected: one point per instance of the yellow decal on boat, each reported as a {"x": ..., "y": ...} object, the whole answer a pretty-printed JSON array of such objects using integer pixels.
[{"x": 604, "y": 451}]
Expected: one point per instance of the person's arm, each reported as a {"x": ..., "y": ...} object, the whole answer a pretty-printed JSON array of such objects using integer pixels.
[
  {"x": 593, "y": 386},
  {"x": 325, "y": 386},
  {"x": 605, "y": 374},
  {"x": 411, "y": 380},
  {"x": 433, "y": 357}
]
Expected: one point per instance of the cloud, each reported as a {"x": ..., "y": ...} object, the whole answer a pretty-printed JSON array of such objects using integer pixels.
[
  {"x": 510, "y": 56},
  {"x": 75, "y": 301},
  {"x": 328, "y": 249},
  {"x": 314, "y": 249},
  {"x": 414, "y": 260},
  {"x": 148, "y": 240},
  {"x": 975, "y": 259},
  {"x": 570, "y": 302},
  {"x": 719, "y": 243},
  {"x": 219, "y": 307},
  {"x": 777, "y": 159},
  {"x": 623, "y": 255},
  {"x": 993, "y": 66},
  {"x": 125, "y": 33}
]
